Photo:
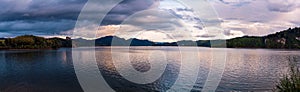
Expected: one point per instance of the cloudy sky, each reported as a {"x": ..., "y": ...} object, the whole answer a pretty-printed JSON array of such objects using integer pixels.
[{"x": 156, "y": 20}]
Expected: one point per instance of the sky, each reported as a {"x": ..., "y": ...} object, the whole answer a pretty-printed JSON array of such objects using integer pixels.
[{"x": 155, "y": 20}]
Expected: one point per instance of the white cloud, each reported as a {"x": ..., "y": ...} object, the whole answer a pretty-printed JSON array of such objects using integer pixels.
[
  {"x": 164, "y": 24},
  {"x": 259, "y": 17},
  {"x": 254, "y": 28}
]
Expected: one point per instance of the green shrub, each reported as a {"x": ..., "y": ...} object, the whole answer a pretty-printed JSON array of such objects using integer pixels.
[
  {"x": 290, "y": 82},
  {"x": 2, "y": 43}
]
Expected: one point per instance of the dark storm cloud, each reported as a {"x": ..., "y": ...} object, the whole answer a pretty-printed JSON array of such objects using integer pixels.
[
  {"x": 199, "y": 27},
  {"x": 236, "y": 3},
  {"x": 206, "y": 36},
  {"x": 38, "y": 17},
  {"x": 224, "y": 2},
  {"x": 125, "y": 9},
  {"x": 49, "y": 17},
  {"x": 282, "y": 5},
  {"x": 40, "y": 9},
  {"x": 185, "y": 9},
  {"x": 36, "y": 27}
]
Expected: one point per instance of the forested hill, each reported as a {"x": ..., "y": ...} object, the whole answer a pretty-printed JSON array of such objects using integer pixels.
[
  {"x": 34, "y": 42},
  {"x": 287, "y": 39}
]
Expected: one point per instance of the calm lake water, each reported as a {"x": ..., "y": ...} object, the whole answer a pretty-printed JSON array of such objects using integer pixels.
[{"x": 53, "y": 70}]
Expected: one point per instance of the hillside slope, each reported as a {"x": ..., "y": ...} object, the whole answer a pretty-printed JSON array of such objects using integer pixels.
[{"x": 287, "y": 39}]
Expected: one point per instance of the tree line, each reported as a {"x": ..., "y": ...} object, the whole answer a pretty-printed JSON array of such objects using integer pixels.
[
  {"x": 34, "y": 42},
  {"x": 287, "y": 39}
]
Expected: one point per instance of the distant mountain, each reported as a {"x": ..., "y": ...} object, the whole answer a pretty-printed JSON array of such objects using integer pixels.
[
  {"x": 287, "y": 39},
  {"x": 112, "y": 41},
  {"x": 138, "y": 42}
]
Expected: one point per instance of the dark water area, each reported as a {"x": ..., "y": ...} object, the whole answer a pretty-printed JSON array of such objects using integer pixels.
[
  {"x": 53, "y": 70},
  {"x": 38, "y": 71}
]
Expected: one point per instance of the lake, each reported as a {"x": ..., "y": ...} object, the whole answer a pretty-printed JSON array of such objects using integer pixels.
[{"x": 142, "y": 68}]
